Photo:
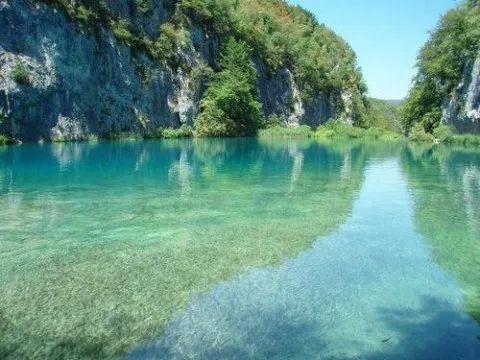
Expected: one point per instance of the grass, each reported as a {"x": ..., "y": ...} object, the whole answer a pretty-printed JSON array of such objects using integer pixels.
[
  {"x": 442, "y": 134},
  {"x": 184, "y": 131},
  {"x": 467, "y": 139},
  {"x": 303, "y": 131},
  {"x": 336, "y": 129},
  {"x": 124, "y": 135}
]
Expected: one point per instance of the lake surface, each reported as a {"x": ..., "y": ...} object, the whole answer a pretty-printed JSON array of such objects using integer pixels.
[{"x": 239, "y": 249}]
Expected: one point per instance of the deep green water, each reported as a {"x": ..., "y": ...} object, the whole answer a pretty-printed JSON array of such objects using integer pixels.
[{"x": 239, "y": 249}]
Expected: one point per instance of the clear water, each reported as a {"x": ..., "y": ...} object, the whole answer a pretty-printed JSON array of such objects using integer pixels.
[{"x": 239, "y": 249}]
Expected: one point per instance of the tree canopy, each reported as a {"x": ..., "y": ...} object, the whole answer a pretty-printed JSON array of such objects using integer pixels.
[{"x": 441, "y": 62}]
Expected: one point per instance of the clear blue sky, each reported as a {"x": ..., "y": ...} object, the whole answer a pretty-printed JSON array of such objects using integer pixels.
[{"x": 385, "y": 34}]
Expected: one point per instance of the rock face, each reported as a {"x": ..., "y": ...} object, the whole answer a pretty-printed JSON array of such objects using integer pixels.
[
  {"x": 463, "y": 110},
  {"x": 77, "y": 84}
]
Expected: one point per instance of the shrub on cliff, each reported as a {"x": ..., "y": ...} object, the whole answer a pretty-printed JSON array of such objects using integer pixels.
[
  {"x": 4, "y": 140},
  {"x": 275, "y": 121},
  {"x": 230, "y": 105},
  {"x": 20, "y": 73}
]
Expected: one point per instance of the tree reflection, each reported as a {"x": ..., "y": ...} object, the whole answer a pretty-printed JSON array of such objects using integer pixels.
[{"x": 445, "y": 184}]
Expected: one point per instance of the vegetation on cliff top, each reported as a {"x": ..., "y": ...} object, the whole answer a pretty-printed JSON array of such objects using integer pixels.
[
  {"x": 454, "y": 43},
  {"x": 278, "y": 34},
  {"x": 231, "y": 105}
]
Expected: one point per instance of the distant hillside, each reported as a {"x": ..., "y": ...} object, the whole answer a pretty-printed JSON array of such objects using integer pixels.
[
  {"x": 396, "y": 102},
  {"x": 385, "y": 114}
]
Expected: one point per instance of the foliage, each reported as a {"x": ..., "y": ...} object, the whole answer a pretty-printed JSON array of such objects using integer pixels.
[
  {"x": 122, "y": 32},
  {"x": 274, "y": 121},
  {"x": 453, "y": 44},
  {"x": 467, "y": 139},
  {"x": 170, "y": 39},
  {"x": 143, "y": 6},
  {"x": 184, "y": 131},
  {"x": 200, "y": 76},
  {"x": 4, "y": 140},
  {"x": 280, "y": 35},
  {"x": 323, "y": 132},
  {"x": 338, "y": 129},
  {"x": 231, "y": 106},
  {"x": 383, "y": 115},
  {"x": 303, "y": 131},
  {"x": 20, "y": 73},
  {"x": 418, "y": 133},
  {"x": 443, "y": 133}
]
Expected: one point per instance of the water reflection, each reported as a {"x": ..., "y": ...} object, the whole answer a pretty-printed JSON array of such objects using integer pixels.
[
  {"x": 445, "y": 184},
  {"x": 367, "y": 291},
  {"x": 106, "y": 246},
  {"x": 101, "y": 244}
]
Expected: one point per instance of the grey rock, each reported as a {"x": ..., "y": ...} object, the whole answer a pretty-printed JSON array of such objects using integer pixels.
[
  {"x": 82, "y": 84},
  {"x": 462, "y": 110}
]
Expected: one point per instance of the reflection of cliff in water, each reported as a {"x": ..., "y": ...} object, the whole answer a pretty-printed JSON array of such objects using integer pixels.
[
  {"x": 103, "y": 243},
  {"x": 368, "y": 290},
  {"x": 445, "y": 183}
]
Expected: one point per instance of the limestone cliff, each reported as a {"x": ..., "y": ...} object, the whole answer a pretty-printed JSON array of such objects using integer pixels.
[
  {"x": 62, "y": 81},
  {"x": 462, "y": 111}
]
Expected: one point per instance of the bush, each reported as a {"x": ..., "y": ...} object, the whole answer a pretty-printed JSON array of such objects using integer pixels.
[
  {"x": 20, "y": 74},
  {"x": 184, "y": 131},
  {"x": 344, "y": 130},
  {"x": 274, "y": 121},
  {"x": 213, "y": 122},
  {"x": 167, "y": 42},
  {"x": 443, "y": 133},
  {"x": 373, "y": 133},
  {"x": 143, "y": 6},
  {"x": 122, "y": 32},
  {"x": 390, "y": 136},
  {"x": 85, "y": 15},
  {"x": 4, "y": 140},
  {"x": 418, "y": 133},
  {"x": 323, "y": 132}
]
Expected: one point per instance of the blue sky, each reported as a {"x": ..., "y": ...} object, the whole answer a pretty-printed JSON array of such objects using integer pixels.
[{"x": 385, "y": 34}]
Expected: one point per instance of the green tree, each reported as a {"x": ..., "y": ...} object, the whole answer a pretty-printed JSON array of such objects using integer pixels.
[
  {"x": 231, "y": 106},
  {"x": 441, "y": 62}
]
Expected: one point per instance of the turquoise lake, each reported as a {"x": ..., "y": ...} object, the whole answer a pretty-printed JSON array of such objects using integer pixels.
[{"x": 239, "y": 249}]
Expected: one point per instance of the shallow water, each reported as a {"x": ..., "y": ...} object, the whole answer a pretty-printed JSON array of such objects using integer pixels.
[{"x": 238, "y": 249}]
